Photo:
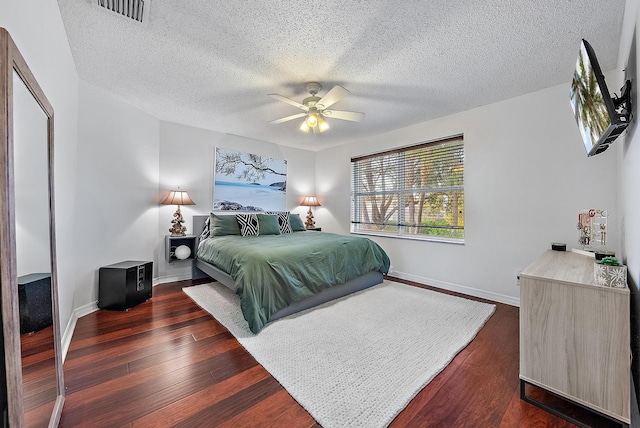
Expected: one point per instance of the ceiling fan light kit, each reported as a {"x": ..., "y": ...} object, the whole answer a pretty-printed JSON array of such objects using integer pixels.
[
  {"x": 315, "y": 108},
  {"x": 314, "y": 121},
  {"x": 322, "y": 124}
]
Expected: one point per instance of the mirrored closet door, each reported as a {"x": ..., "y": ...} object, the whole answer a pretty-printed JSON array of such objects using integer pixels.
[{"x": 34, "y": 390}]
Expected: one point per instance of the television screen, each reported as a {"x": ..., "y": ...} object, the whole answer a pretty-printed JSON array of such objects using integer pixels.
[{"x": 593, "y": 107}]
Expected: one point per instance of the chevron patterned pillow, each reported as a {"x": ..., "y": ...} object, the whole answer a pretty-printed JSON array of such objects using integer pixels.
[
  {"x": 283, "y": 220},
  {"x": 205, "y": 231},
  {"x": 248, "y": 224}
]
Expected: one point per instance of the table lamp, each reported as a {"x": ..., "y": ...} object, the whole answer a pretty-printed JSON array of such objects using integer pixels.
[
  {"x": 177, "y": 197},
  {"x": 310, "y": 201}
]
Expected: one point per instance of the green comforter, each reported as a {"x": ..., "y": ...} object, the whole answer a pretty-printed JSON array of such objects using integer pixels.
[{"x": 274, "y": 271}]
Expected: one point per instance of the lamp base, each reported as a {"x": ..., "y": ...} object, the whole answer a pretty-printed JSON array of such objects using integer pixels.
[
  {"x": 178, "y": 229},
  {"x": 310, "y": 223}
]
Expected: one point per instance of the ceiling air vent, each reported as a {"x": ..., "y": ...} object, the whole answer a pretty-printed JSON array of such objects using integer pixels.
[{"x": 134, "y": 9}]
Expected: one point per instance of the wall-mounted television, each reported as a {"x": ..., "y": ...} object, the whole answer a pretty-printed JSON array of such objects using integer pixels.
[{"x": 601, "y": 117}]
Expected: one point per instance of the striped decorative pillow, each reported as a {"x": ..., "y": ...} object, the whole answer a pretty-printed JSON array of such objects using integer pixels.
[
  {"x": 248, "y": 223},
  {"x": 205, "y": 231},
  {"x": 283, "y": 221}
]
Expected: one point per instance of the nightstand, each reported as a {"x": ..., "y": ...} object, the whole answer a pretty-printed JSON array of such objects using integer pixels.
[
  {"x": 318, "y": 229},
  {"x": 173, "y": 242}
]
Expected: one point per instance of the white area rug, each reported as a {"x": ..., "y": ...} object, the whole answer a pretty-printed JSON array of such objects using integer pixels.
[{"x": 359, "y": 360}]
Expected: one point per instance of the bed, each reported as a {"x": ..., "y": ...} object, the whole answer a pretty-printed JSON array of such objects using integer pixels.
[{"x": 278, "y": 274}]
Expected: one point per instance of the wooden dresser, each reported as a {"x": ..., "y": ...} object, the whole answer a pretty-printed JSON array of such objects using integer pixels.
[{"x": 575, "y": 335}]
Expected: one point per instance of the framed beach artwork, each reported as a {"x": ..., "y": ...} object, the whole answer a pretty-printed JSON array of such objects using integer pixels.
[{"x": 248, "y": 182}]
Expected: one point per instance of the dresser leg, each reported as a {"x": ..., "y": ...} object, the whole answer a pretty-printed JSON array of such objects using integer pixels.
[{"x": 524, "y": 397}]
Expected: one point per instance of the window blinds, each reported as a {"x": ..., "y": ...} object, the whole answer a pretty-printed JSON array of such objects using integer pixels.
[{"x": 416, "y": 190}]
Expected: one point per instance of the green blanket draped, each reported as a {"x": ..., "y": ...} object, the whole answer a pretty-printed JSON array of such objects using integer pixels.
[{"x": 274, "y": 271}]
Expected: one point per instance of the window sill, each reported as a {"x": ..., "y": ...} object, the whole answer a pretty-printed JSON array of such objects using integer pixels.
[{"x": 457, "y": 241}]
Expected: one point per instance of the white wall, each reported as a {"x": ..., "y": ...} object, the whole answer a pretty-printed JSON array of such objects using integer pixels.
[
  {"x": 526, "y": 176},
  {"x": 37, "y": 30},
  {"x": 630, "y": 174},
  {"x": 630, "y": 153},
  {"x": 186, "y": 160},
  {"x": 117, "y": 162},
  {"x": 106, "y": 160}
]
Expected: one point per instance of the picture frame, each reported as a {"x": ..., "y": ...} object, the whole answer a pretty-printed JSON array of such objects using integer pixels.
[{"x": 248, "y": 182}]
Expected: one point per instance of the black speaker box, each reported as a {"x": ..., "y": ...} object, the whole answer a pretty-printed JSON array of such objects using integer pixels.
[
  {"x": 34, "y": 296},
  {"x": 124, "y": 285}
]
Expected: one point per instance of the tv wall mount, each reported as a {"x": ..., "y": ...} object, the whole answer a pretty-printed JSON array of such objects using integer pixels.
[
  {"x": 623, "y": 108},
  {"x": 622, "y": 104}
]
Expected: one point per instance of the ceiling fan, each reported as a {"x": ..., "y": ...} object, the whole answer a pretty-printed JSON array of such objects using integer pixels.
[{"x": 317, "y": 108}]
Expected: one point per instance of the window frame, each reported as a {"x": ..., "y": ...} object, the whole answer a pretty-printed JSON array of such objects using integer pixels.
[{"x": 402, "y": 191}]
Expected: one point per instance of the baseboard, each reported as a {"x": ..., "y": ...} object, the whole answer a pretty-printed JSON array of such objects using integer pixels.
[
  {"x": 475, "y": 292},
  {"x": 165, "y": 279},
  {"x": 93, "y": 306},
  {"x": 500, "y": 298},
  {"x": 71, "y": 325}
]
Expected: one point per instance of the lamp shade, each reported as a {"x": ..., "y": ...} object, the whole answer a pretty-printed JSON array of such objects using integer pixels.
[
  {"x": 310, "y": 201},
  {"x": 315, "y": 122},
  {"x": 322, "y": 125},
  {"x": 312, "y": 120},
  {"x": 177, "y": 197}
]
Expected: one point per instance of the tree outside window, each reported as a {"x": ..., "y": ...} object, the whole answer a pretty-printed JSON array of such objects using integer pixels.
[{"x": 416, "y": 191}]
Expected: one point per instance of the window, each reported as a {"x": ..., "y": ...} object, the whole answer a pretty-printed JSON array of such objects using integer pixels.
[{"x": 413, "y": 192}]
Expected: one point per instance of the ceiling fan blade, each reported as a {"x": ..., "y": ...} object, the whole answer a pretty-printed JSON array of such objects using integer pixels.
[
  {"x": 285, "y": 119},
  {"x": 289, "y": 101},
  {"x": 353, "y": 116},
  {"x": 333, "y": 96}
]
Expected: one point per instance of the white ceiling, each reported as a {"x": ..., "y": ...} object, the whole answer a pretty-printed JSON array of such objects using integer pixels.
[{"x": 211, "y": 64}]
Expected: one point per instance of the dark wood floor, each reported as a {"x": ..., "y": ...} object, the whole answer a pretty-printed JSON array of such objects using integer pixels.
[
  {"x": 167, "y": 362},
  {"x": 39, "y": 384}
]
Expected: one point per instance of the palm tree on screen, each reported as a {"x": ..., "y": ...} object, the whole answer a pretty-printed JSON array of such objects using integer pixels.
[{"x": 588, "y": 100}]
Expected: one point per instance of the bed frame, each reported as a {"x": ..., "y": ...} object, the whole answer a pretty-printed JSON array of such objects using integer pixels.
[{"x": 365, "y": 281}]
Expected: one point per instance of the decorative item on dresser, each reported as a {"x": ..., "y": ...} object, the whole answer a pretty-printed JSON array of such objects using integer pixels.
[
  {"x": 310, "y": 201},
  {"x": 609, "y": 272},
  {"x": 177, "y": 197},
  {"x": 575, "y": 336}
]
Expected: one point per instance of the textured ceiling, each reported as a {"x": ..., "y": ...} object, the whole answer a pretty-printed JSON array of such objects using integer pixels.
[{"x": 211, "y": 64}]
